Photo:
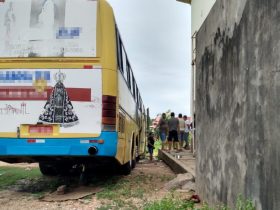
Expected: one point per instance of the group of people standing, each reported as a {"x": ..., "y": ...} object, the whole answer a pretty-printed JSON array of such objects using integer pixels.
[{"x": 175, "y": 131}]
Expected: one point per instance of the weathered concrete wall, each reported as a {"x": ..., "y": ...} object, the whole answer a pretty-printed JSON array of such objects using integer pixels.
[{"x": 238, "y": 103}]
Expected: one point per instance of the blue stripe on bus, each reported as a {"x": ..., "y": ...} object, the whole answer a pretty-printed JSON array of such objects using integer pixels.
[
  {"x": 59, "y": 147},
  {"x": 21, "y": 76}
]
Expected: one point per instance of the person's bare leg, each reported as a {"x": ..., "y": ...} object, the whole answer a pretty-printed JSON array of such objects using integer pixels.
[{"x": 169, "y": 145}]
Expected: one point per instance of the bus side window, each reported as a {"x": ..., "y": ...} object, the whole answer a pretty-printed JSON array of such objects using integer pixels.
[
  {"x": 133, "y": 87},
  {"x": 137, "y": 97},
  {"x": 119, "y": 52},
  {"x": 140, "y": 104},
  {"x": 128, "y": 76},
  {"x": 124, "y": 58}
]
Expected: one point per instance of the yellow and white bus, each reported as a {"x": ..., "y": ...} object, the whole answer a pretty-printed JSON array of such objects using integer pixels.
[{"x": 68, "y": 95}]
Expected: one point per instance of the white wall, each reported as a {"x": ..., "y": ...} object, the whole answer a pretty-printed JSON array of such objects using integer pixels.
[{"x": 200, "y": 11}]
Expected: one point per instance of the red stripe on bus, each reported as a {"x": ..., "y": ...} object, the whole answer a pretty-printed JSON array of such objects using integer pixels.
[
  {"x": 31, "y": 141},
  {"x": 88, "y": 67},
  {"x": 79, "y": 94},
  {"x": 30, "y": 94}
]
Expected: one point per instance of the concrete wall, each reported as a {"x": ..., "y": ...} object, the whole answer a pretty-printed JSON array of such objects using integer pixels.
[
  {"x": 200, "y": 10},
  {"x": 238, "y": 103}
]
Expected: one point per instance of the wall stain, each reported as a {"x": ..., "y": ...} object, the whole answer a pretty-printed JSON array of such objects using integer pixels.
[{"x": 237, "y": 107}]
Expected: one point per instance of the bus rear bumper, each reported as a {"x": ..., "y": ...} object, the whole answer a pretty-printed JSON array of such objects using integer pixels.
[{"x": 106, "y": 145}]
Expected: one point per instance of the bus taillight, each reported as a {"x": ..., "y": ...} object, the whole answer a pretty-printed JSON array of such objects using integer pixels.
[
  {"x": 109, "y": 99},
  {"x": 109, "y": 112}
]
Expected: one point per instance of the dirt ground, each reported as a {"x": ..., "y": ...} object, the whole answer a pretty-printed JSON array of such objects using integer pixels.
[{"x": 147, "y": 179}]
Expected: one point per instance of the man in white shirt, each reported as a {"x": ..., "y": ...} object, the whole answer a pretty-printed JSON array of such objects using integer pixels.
[
  {"x": 181, "y": 130},
  {"x": 186, "y": 134}
]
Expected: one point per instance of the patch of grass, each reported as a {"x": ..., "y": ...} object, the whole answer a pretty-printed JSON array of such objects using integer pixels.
[
  {"x": 243, "y": 204},
  {"x": 111, "y": 190},
  {"x": 106, "y": 207},
  {"x": 175, "y": 203},
  {"x": 138, "y": 192},
  {"x": 170, "y": 203},
  {"x": 124, "y": 188},
  {"x": 123, "y": 192},
  {"x": 117, "y": 204},
  {"x": 165, "y": 178},
  {"x": 157, "y": 146},
  {"x": 140, "y": 179},
  {"x": 110, "y": 206},
  {"x": 31, "y": 180},
  {"x": 10, "y": 175},
  {"x": 114, "y": 191}
]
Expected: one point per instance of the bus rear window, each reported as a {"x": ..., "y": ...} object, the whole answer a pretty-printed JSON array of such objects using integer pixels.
[{"x": 48, "y": 28}]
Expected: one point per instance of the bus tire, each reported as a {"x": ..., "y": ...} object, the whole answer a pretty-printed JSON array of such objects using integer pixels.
[
  {"x": 64, "y": 169},
  {"x": 133, "y": 164},
  {"x": 137, "y": 158},
  {"x": 48, "y": 169},
  {"x": 126, "y": 168},
  {"x": 133, "y": 156}
]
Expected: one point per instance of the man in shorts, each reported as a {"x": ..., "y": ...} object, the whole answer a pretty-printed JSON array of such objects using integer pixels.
[
  {"x": 173, "y": 127},
  {"x": 163, "y": 129}
]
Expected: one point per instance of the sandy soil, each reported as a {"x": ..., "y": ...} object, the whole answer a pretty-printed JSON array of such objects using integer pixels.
[
  {"x": 157, "y": 174},
  {"x": 20, "y": 165}
]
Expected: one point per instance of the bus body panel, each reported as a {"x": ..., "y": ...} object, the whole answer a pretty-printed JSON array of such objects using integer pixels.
[
  {"x": 31, "y": 98},
  {"x": 14, "y": 147},
  {"x": 108, "y": 43},
  {"x": 128, "y": 108}
]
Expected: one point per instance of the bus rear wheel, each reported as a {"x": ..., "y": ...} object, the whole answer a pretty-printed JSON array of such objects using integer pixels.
[
  {"x": 126, "y": 168},
  {"x": 54, "y": 169},
  {"x": 48, "y": 169}
]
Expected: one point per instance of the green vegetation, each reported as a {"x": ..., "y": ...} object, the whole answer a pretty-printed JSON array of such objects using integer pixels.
[
  {"x": 124, "y": 193},
  {"x": 172, "y": 202},
  {"x": 243, "y": 204},
  {"x": 31, "y": 180},
  {"x": 157, "y": 146},
  {"x": 10, "y": 175},
  {"x": 115, "y": 192},
  {"x": 118, "y": 192},
  {"x": 114, "y": 189}
]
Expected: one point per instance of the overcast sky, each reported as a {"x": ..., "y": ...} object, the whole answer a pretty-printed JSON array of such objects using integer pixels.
[{"x": 157, "y": 38}]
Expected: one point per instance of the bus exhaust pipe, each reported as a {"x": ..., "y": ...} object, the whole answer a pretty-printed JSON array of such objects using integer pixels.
[{"x": 92, "y": 150}]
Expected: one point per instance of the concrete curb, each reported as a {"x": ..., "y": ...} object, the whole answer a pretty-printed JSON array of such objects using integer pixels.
[{"x": 174, "y": 163}]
